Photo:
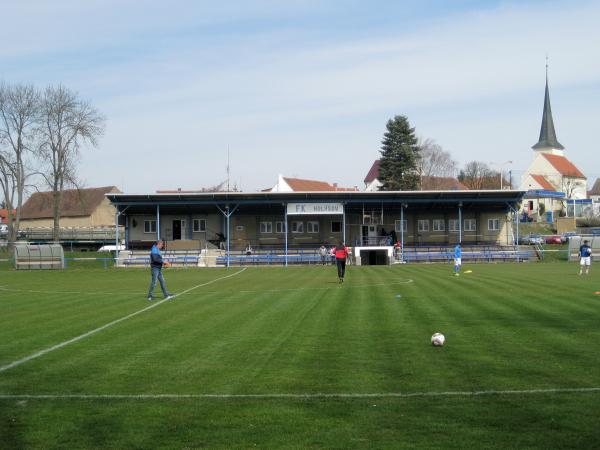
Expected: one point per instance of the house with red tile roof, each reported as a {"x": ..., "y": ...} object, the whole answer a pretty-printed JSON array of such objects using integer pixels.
[
  {"x": 372, "y": 182},
  {"x": 551, "y": 171},
  {"x": 286, "y": 184},
  {"x": 428, "y": 183}
]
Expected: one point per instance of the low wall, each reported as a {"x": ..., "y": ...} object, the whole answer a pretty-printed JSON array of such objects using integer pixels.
[
  {"x": 185, "y": 244},
  {"x": 564, "y": 224}
]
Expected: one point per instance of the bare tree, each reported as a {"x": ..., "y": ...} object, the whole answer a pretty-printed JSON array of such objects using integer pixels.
[
  {"x": 19, "y": 106},
  {"x": 9, "y": 187},
  {"x": 478, "y": 175},
  {"x": 67, "y": 123},
  {"x": 474, "y": 175},
  {"x": 569, "y": 186},
  {"x": 434, "y": 161}
]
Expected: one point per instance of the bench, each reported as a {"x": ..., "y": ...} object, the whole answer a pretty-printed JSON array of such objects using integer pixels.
[
  {"x": 269, "y": 259},
  {"x": 175, "y": 257},
  {"x": 46, "y": 263}
]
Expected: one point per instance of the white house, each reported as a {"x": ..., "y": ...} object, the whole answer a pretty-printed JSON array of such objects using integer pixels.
[
  {"x": 372, "y": 182},
  {"x": 286, "y": 184}
]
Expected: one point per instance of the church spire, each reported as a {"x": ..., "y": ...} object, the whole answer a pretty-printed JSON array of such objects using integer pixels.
[{"x": 547, "y": 138}]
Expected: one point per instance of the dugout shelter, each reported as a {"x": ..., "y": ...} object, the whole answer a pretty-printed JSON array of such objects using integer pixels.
[{"x": 39, "y": 257}]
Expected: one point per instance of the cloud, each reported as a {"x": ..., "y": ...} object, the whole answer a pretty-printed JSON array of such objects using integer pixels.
[{"x": 293, "y": 88}]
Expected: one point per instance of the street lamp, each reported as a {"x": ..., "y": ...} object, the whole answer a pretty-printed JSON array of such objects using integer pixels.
[{"x": 502, "y": 164}]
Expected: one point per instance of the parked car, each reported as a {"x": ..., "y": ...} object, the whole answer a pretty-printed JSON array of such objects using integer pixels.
[
  {"x": 555, "y": 239},
  {"x": 3, "y": 229},
  {"x": 531, "y": 239},
  {"x": 111, "y": 248},
  {"x": 568, "y": 235}
]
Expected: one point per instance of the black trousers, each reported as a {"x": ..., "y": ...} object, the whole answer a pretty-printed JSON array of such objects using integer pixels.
[{"x": 341, "y": 266}]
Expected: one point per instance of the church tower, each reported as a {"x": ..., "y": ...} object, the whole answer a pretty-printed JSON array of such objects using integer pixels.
[
  {"x": 551, "y": 174},
  {"x": 547, "y": 143}
]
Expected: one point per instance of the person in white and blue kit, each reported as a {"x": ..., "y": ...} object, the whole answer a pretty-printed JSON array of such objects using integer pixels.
[
  {"x": 457, "y": 259},
  {"x": 585, "y": 253},
  {"x": 156, "y": 265}
]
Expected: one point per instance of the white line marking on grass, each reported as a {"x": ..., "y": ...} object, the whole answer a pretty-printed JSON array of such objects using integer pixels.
[
  {"x": 295, "y": 396},
  {"x": 110, "y": 324}
]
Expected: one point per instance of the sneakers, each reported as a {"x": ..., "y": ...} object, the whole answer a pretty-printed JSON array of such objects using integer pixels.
[
  {"x": 168, "y": 297},
  {"x": 457, "y": 274}
]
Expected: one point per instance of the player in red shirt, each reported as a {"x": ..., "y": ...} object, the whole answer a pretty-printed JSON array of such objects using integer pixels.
[{"x": 341, "y": 254}]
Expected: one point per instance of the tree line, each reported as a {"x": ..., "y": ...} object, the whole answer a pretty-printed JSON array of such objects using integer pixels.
[
  {"x": 409, "y": 164},
  {"x": 41, "y": 135}
]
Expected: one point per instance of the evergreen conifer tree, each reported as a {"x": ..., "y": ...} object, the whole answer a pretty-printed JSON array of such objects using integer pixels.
[{"x": 398, "y": 169}]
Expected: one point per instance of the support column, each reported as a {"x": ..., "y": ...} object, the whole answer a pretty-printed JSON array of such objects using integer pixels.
[
  {"x": 460, "y": 223},
  {"x": 227, "y": 213},
  {"x": 515, "y": 212},
  {"x": 344, "y": 224},
  {"x": 116, "y": 235},
  {"x": 517, "y": 220},
  {"x": 402, "y": 232},
  {"x": 126, "y": 237},
  {"x": 228, "y": 234},
  {"x": 285, "y": 229},
  {"x": 157, "y": 222}
]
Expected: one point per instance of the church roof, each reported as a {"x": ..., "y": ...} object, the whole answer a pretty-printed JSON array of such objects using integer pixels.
[
  {"x": 547, "y": 134},
  {"x": 543, "y": 182},
  {"x": 564, "y": 166}
]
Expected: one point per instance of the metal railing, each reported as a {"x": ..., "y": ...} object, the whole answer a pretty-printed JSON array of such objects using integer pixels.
[{"x": 83, "y": 234}]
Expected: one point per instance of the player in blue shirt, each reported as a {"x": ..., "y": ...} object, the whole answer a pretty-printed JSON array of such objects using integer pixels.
[
  {"x": 156, "y": 265},
  {"x": 457, "y": 259},
  {"x": 585, "y": 253}
]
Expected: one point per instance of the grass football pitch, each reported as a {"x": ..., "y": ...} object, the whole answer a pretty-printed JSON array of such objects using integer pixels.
[{"x": 287, "y": 358}]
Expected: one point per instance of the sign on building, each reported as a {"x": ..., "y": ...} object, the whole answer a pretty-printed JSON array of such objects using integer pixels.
[{"x": 314, "y": 208}]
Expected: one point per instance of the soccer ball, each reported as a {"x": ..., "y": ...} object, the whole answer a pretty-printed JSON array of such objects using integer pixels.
[{"x": 438, "y": 339}]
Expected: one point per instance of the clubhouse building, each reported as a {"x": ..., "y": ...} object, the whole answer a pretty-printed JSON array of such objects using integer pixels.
[{"x": 301, "y": 220}]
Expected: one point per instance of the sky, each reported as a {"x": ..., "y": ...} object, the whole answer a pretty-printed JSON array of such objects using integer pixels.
[{"x": 304, "y": 88}]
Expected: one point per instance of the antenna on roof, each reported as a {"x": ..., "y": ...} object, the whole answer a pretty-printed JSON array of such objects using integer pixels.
[
  {"x": 227, "y": 167},
  {"x": 546, "y": 68}
]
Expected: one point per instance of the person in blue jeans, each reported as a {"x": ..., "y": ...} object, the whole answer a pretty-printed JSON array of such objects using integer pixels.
[{"x": 156, "y": 265}]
